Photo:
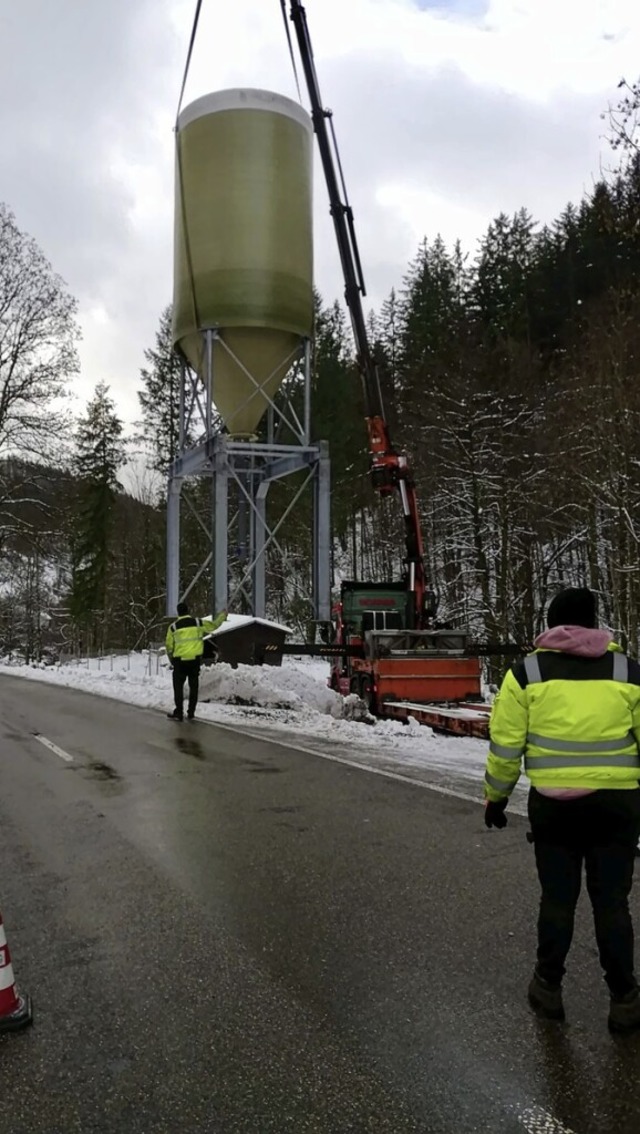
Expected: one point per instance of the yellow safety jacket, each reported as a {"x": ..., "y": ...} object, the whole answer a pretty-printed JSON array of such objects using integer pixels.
[
  {"x": 185, "y": 636},
  {"x": 575, "y": 720}
]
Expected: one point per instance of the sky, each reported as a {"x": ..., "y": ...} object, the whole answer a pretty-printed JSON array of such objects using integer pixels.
[{"x": 447, "y": 113}]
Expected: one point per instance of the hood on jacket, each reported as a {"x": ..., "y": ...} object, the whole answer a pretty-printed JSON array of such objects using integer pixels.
[{"x": 578, "y": 640}]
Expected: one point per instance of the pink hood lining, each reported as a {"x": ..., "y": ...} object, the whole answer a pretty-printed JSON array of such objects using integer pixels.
[{"x": 578, "y": 640}]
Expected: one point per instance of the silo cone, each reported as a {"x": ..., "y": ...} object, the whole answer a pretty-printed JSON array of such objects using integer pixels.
[{"x": 243, "y": 258}]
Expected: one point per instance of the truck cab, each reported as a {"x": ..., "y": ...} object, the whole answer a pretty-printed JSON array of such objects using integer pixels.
[{"x": 393, "y": 666}]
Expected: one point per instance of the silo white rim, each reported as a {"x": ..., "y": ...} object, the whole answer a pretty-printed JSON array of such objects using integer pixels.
[{"x": 244, "y": 99}]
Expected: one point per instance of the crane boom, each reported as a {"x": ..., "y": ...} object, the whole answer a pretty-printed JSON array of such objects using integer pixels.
[{"x": 390, "y": 471}]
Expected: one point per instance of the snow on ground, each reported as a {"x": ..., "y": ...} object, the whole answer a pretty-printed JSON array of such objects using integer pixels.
[{"x": 291, "y": 702}]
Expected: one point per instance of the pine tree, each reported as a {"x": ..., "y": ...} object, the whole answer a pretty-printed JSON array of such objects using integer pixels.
[
  {"x": 159, "y": 430},
  {"x": 554, "y": 287},
  {"x": 504, "y": 268},
  {"x": 100, "y": 453},
  {"x": 430, "y": 303},
  {"x": 387, "y": 352}
]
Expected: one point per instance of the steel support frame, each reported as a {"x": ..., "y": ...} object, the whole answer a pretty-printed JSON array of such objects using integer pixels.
[{"x": 252, "y": 467}]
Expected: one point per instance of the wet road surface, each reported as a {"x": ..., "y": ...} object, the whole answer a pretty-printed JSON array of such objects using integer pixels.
[{"x": 223, "y": 936}]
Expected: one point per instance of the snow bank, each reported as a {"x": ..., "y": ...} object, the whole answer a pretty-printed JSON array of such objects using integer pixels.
[{"x": 288, "y": 688}]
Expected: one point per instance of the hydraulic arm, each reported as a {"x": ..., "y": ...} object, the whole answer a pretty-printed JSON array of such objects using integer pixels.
[{"x": 390, "y": 471}]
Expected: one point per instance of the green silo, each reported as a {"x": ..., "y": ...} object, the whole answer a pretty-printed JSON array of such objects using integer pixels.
[{"x": 243, "y": 254}]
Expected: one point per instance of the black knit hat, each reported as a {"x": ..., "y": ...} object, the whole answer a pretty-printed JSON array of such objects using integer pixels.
[
  {"x": 182, "y": 609},
  {"x": 575, "y": 606}
]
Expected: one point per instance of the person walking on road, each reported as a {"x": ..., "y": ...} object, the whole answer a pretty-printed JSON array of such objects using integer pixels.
[
  {"x": 185, "y": 646},
  {"x": 572, "y": 710}
]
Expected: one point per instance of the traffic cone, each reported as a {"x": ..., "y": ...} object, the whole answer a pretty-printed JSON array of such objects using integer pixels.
[{"x": 15, "y": 1010}]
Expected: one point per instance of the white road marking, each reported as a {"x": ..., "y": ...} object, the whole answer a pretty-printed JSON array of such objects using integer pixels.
[
  {"x": 514, "y": 808},
  {"x": 53, "y": 747},
  {"x": 535, "y": 1120}
]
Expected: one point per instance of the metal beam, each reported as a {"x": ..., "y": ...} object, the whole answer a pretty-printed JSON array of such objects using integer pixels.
[
  {"x": 259, "y": 546},
  {"x": 220, "y": 529},
  {"x": 285, "y": 466},
  {"x": 173, "y": 546},
  {"x": 322, "y": 536},
  {"x": 191, "y": 462}
]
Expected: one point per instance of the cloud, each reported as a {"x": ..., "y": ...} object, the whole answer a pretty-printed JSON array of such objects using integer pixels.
[
  {"x": 84, "y": 83},
  {"x": 456, "y": 8},
  {"x": 447, "y": 113},
  {"x": 480, "y": 148}
]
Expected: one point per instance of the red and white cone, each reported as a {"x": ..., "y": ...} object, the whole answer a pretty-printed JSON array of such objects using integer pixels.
[{"x": 15, "y": 1010}]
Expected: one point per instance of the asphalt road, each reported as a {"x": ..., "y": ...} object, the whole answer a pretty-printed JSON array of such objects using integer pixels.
[{"x": 223, "y": 936}]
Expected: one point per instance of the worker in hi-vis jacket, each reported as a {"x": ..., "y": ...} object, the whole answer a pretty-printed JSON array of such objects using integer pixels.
[
  {"x": 185, "y": 647},
  {"x": 571, "y": 711}
]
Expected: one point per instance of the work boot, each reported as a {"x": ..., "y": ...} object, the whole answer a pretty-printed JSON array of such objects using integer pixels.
[
  {"x": 624, "y": 1012},
  {"x": 175, "y": 716},
  {"x": 190, "y": 716},
  {"x": 546, "y": 998}
]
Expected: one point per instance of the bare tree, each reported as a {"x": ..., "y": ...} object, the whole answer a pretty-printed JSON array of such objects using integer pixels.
[
  {"x": 624, "y": 118},
  {"x": 38, "y": 336}
]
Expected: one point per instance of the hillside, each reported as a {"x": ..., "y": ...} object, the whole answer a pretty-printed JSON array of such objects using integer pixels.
[{"x": 37, "y": 505}]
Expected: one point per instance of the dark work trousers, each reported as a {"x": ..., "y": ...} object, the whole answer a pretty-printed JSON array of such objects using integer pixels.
[
  {"x": 600, "y": 830},
  {"x": 186, "y": 671}
]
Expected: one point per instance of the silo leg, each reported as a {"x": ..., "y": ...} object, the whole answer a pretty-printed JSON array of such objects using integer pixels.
[
  {"x": 322, "y": 536},
  {"x": 220, "y": 532},
  {"x": 173, "y": 546},
  {"x": 259, "y": 550}
]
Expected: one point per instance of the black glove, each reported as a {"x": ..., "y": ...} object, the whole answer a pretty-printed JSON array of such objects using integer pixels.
[{"x": 494, "y": 814}]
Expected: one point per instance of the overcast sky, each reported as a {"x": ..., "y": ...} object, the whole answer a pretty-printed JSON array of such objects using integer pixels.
[{"x": 447, "y": 113}]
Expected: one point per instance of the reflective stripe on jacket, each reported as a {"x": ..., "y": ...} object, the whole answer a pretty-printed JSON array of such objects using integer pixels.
[
  {"x": 185, "y": 636},
  {"x": 575, "y": 720}
]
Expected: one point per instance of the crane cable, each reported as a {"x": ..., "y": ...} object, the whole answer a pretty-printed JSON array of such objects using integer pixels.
[
  {"x": 183, "y": 215},
  {"x": 283, "y": 7},
  {"x": 194, "y": 30}
]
